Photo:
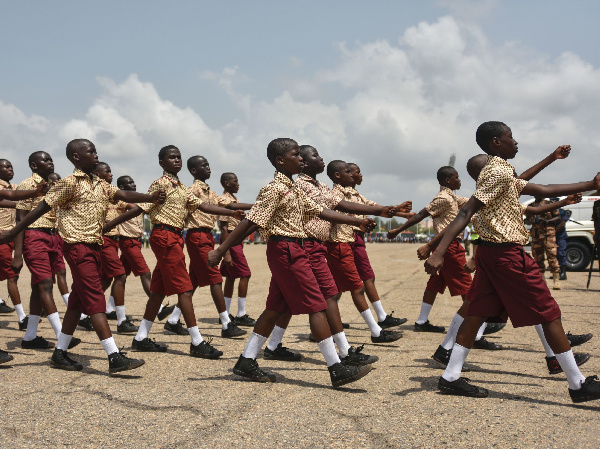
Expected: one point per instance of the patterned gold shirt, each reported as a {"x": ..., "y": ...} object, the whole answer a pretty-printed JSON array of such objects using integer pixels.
[
  {"x": 7, "y": 216},
  {"x": 444, "y": 207},
  {"x": 501, "y": 217},
  {"x": 224, "y": 200},
  {"x": 282, "y": 208},
  {"x": 177, "y": 203},
  {"x": 197, "y": 218},
  {"x": 82, "y": 205},
  {"x": 322, "y": 195},
  {"x": 114, "y": 210},
  {"x": 132, "y": 228},
  {"x": 47, "y": 220},
  {"x": 342, "y": 233}
]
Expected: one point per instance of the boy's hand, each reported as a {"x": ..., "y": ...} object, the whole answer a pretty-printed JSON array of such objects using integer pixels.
[
  {"x": 213, "y": 258},
  {"x": 42, "y": 189},
  {"x": 424, "y": 251},
  {"x": 433, "y": 264},
  {"x": 562, "y": 152},
  {"x": 6, "y": 237},
  {"x": 393, "y": 233},
  {"x": 239, "y": 214},
  {"x": 367, "y": 225},
  {"x": 227, "y": 258},
  {"x": 405, "y": 207},
  {"x": 159, "y": 197},
  {"x": 470, "y": 266},
  {"x": 388, "y": 211},
  {"x": 573, "y": 199},
  {"x": 17, "y": 264}
]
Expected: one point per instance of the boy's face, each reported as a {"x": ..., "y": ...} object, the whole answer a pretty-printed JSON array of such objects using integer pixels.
[
  {"x": 290, "y": 162},
  {"x": 87, "y": 158},
  {"x": 128, "y": 184},
  {"x": 6, "y": 171},
  {"x": 201, "y": 170},
  {"x": 172, "y": 161},
  {"x": 453, "y": 182},
  {"x": 232, "y": 185},
  {"x": 53, "y": 178},
  {"x": 103, "y": 172},
  {"x": 356, "y": 174},
  {"x": 504, "y": 145},
  {"x": 345, "y": 178},
  {"x": 313, "y": 163},
  {"x": 42, "y": 164}
]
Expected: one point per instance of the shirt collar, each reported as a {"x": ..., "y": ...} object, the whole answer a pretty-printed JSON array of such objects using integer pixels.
[
  {"x": 202, "y": 184},
  {"x": 346, "y": 190},
  {"x": 307, "y": 178},
  {"x": 283, "y": 179},
  {"x": 37, "y": 178},
  {"x": 81, "y": 174},
  {"x": 231, "y": 195},
  {"x": 447, "y": 190},
  {"x": 498, "y": 161},
  {"x": 4, "y": 183},
  {"x": 171, "y": 177}
]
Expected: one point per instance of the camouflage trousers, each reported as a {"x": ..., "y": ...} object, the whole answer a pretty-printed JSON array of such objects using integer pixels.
[{"x": 543, "y": 243}]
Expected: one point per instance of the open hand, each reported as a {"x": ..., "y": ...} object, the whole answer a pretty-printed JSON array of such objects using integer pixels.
[
  {"x": 562, "y": 152},
  {"x": 238, "y": 214},
  {"x": 573, "y": 199},
  {"x": 424, "y": 251},
  {"x": 405, "y": 207},
  {"x": 367, "y": 225},
  {"x": 470, "y": 266},
  {"x": 434, "y": 264},
  {"x": 213, "y": 258},
  {"x": 393, "y": 233}
]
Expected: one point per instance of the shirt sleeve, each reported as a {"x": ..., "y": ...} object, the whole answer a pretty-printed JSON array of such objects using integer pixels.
[
  {"x": 461, "y": 201},
  {"x": 332, "y": 199},
  {"x": 438, "y": 206},
  {"x": 61, "y": 192},
  {"x": 193, "y": 201},
  {"x": 310, "y": 208},
  {"x": 25, "y": 204},
  {"x": 265, "y": 206},
  {"x": 146, "y": 207},
  {"x": 366, "y": 201},
  {"x": 110, "y": 191},
  {"x": 494, "y": 184},
  {"x": 223, "y": 201}
]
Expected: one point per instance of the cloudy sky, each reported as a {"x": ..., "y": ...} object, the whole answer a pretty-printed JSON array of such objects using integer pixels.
[{"x": 395, "y": 86}]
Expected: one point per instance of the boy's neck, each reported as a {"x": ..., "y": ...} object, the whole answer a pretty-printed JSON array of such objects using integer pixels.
[
  {"x": 89, "y": 172},
  {"x": 172, "y": 173},
  {"x": 288, "y": 174},
  {"x": 198, "y": 178},
  {"x": 6, "y": 180},
  {"x": 497, "y": 155},
  {"x": 231, "y": 192},
  {"x": 45, "y": 178},
  {"x": 312, "y": 175}
]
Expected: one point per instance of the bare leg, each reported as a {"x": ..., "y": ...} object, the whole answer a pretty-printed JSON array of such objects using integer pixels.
[
  {"x": 145, "y": 279},
  {"x": 45, "y": 294},
  {"x": 242, "y": 287},
  {"x": 318, "y": 326},
  {"x": 61, "y": 281},
  {"x": 152, "y": 306},
  {"x": 555, "y": 336},
  {"x": 118, "y": 290},
  {"x": 333, "y": 315},
  {"x": 13, "y": 290},
  {"x": 228, "y": 288},
  {"x": 371, "y": 290},
  {"x": 266, "y": 322},
  {"x": 216, "y": 291}
]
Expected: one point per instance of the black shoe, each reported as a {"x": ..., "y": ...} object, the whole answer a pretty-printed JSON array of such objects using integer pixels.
[
  {"x": 126, "y": 327},
  {"x": 37, "y": 343},
  {"x": 245, "y": 320},
  {"x": 165, "y": 312},
  {"x": 428, "y": 327},
  {"x": 5, "y": 356},
  {"x": 86, "y": 323},
  {"x": 492, "y": 328},
  {"x": 23, "y": 324},
  {"x": 563, "y": 273},
  {"x": 249, "y": 369},
  {"x": 486, "y": 344},
  {"x": 176, "y": 328},
  {"x": 390, "y": 321},
  {"x": 576, "y": 340},
  {"x": 345, "y": 326},
  {"x": 462, "y": 387},
  {"x": 341, "y": 374},
  {"x": 387, "y": 337},
  {"x": 74, "y": 342},
  {"x": 590, "y": 390},
  {"x": 147, "y": 345},
  {"x": 118, "y": 362},
  {"x": 205, "y": 350},
  {"x": 61, "y": 360},
  {"x": 356, "y": 358},
  {"x": 282, "y": 353},
  {"x": 232, "y": 331},
  {"x": 5, "y": 308},
  {"x": 112, "y": 315},
  {"x": 555, "y": 368},
  {"x": 442, "y": 355}
]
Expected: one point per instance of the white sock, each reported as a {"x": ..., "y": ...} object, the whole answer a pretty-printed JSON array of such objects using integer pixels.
[
  {"x": 227, "y": 303},
  {"x": 540, "y": 330},
  {"x": 64, "y": 341},
  {"x": 83, "y": 316},
  {"x": 65, "y": 298},
  {"x": 452, "y": 331},
  {"x": 144, "y": 329},
  {"x": 32, "y": 326},
  {"x": 342, "y": 344},
  {"x": 175, "y": 315},
  {"x": 457, "y": 360},
  {"x": 195, "y": 334},
  {"x": 224, "y": 319},
  {"x": 1, "y": 301},
  {"x": 276, "y": 337},
  {"x": 121, "y": 315},
  {"x": 109, "y": 345},
  {"x": 373, "y": 326},
  {"x": 111, "y": 304},
  {"x": 567, "y": 362},
  {"x": 241, "y": 307},
  {"x": 480, "y": 331},
  {"x": 327, "y": 348},
  {"x": 424, "y": 315},
  {"x": 378, "y": 307},
  {"x": 160, "y": 308},
  {"x": 20, "y": 312},
  {"x": 54, "y": 320},
  {"x": 255, "y": 342}
]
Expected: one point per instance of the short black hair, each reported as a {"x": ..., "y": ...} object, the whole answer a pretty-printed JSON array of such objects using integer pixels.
[
  {"x": 486, "y": 132},
  {"x": 279, "y": 147},
  {"x": 352, "y": 163},
  {"x": 304, "y": 150},
  {"x": 163, "y": 151},
  {"x": 191, "y": 162},
  {"x": 225, "y": 177},
  {"x": 34, "y": 155},
  {"x": 76, "y": 145},
  {"x": 100, "y": 164},
  {"x": 121, "y": 180},
  {"x": 4, "y": 160},
  {"x": 445, "y": 172},
  {"x": 335, "y": 166},
  {"x": 476, "y": 164}
]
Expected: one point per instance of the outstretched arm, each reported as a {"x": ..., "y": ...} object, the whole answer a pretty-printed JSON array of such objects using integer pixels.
[
  {"x": 18, "y": 195},
  {"x": 239, "y": 206},
  {"x": 130, "y": 196},
  {"x": 562, "y": 152},
  {"x": 7, "y": 204},
  {"x": 122, "y": 218},
  {"x": 417, "y": 218},
  {"x": 237, "y": 235},
  {"x": 551, "y": 190},
  {"x": 363, "y": 209},
  {"x": 365, "y": 224},
  {"x": 32, "y": 216},
  {"x": 217, "y": 210}
]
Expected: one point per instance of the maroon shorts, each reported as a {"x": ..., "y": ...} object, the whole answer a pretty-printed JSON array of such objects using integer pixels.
[
  {"x": 131, "y": 257},
  {"x": 361, "y": 259},
  {"x": 198, "y": 244},
  {"x": 340, "y": 259},
  {"x": 239, "y": 265},
  {"x": 6, "y": 257},
  {"x": 452, "y": 274},
  {"x": 85, "y": 262},
  {"x": 170, "y": 277},
  {"x": 293, "y": 285},
  {"x": 111, "y": 264},
  {"x": 42, "y": 253},
  {"x": 317, "y": 256},
  {"x": 508, "y": 282}
]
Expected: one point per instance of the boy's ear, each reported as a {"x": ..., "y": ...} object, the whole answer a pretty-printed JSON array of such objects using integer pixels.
[
  {"x": 279, "y": 160},
  {"x": 161, "y": 163}
]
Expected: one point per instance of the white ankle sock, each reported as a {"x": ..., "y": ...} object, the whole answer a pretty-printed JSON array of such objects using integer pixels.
[
  {"x": 65, "y": 298},
  {"x": 54, "y": 321},
  {"x": 567, "y": 362},
  {"x": 20, "y": 312},
  {"x": 160, "y": 308},
  {"x": 424, "y": 315},
  {"x": 195, "y": 334},
  {"x": 276, "y": 337},
  {"x": 378, "y": 307},
  {"x": 121, "y": 315},
  {"x": 144, "y": 329},
  {"x": 241, "y": 307},
  {"x": 342, "y": 344},
  {"x": 255, "y": 342},
  {"x": 224, "y": 316},
  {"x": 64, "y": 341},
  {"x": 457, "y": 360},
  {"x": 111, "y": 305},
  {"x": 480, "y": 332},
  {"x": 175, "y": 315},
  {"x": 1, "y": 301},
  {"x": 450, "y": 338},
  {"x": 109, "y": 345},
  {"x": 83, "y": 316},
  {"x": 327, "y": 348},
  {"x": 540, "y": 330},
  {"x": 373, "y": 326},
  {"x": 227, "y": 303},
  {"x": 32, "y": 326}
]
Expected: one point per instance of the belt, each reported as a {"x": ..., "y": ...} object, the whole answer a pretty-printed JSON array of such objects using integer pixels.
[
  {"x": 312, "y": 239},
  {"x": 114, "y": 238},
  {"x": 121, "y": 238},
  {"x": 50, "y": 231},
  {"x": 203, "y": 229},
  {"x": 488, "y": 243},
  {"x": 173, "y": 229},
  {"x": 283, "y": 238}
]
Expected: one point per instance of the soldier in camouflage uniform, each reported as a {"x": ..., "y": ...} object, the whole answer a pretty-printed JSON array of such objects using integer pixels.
[{"x": 543, "y": 241}]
